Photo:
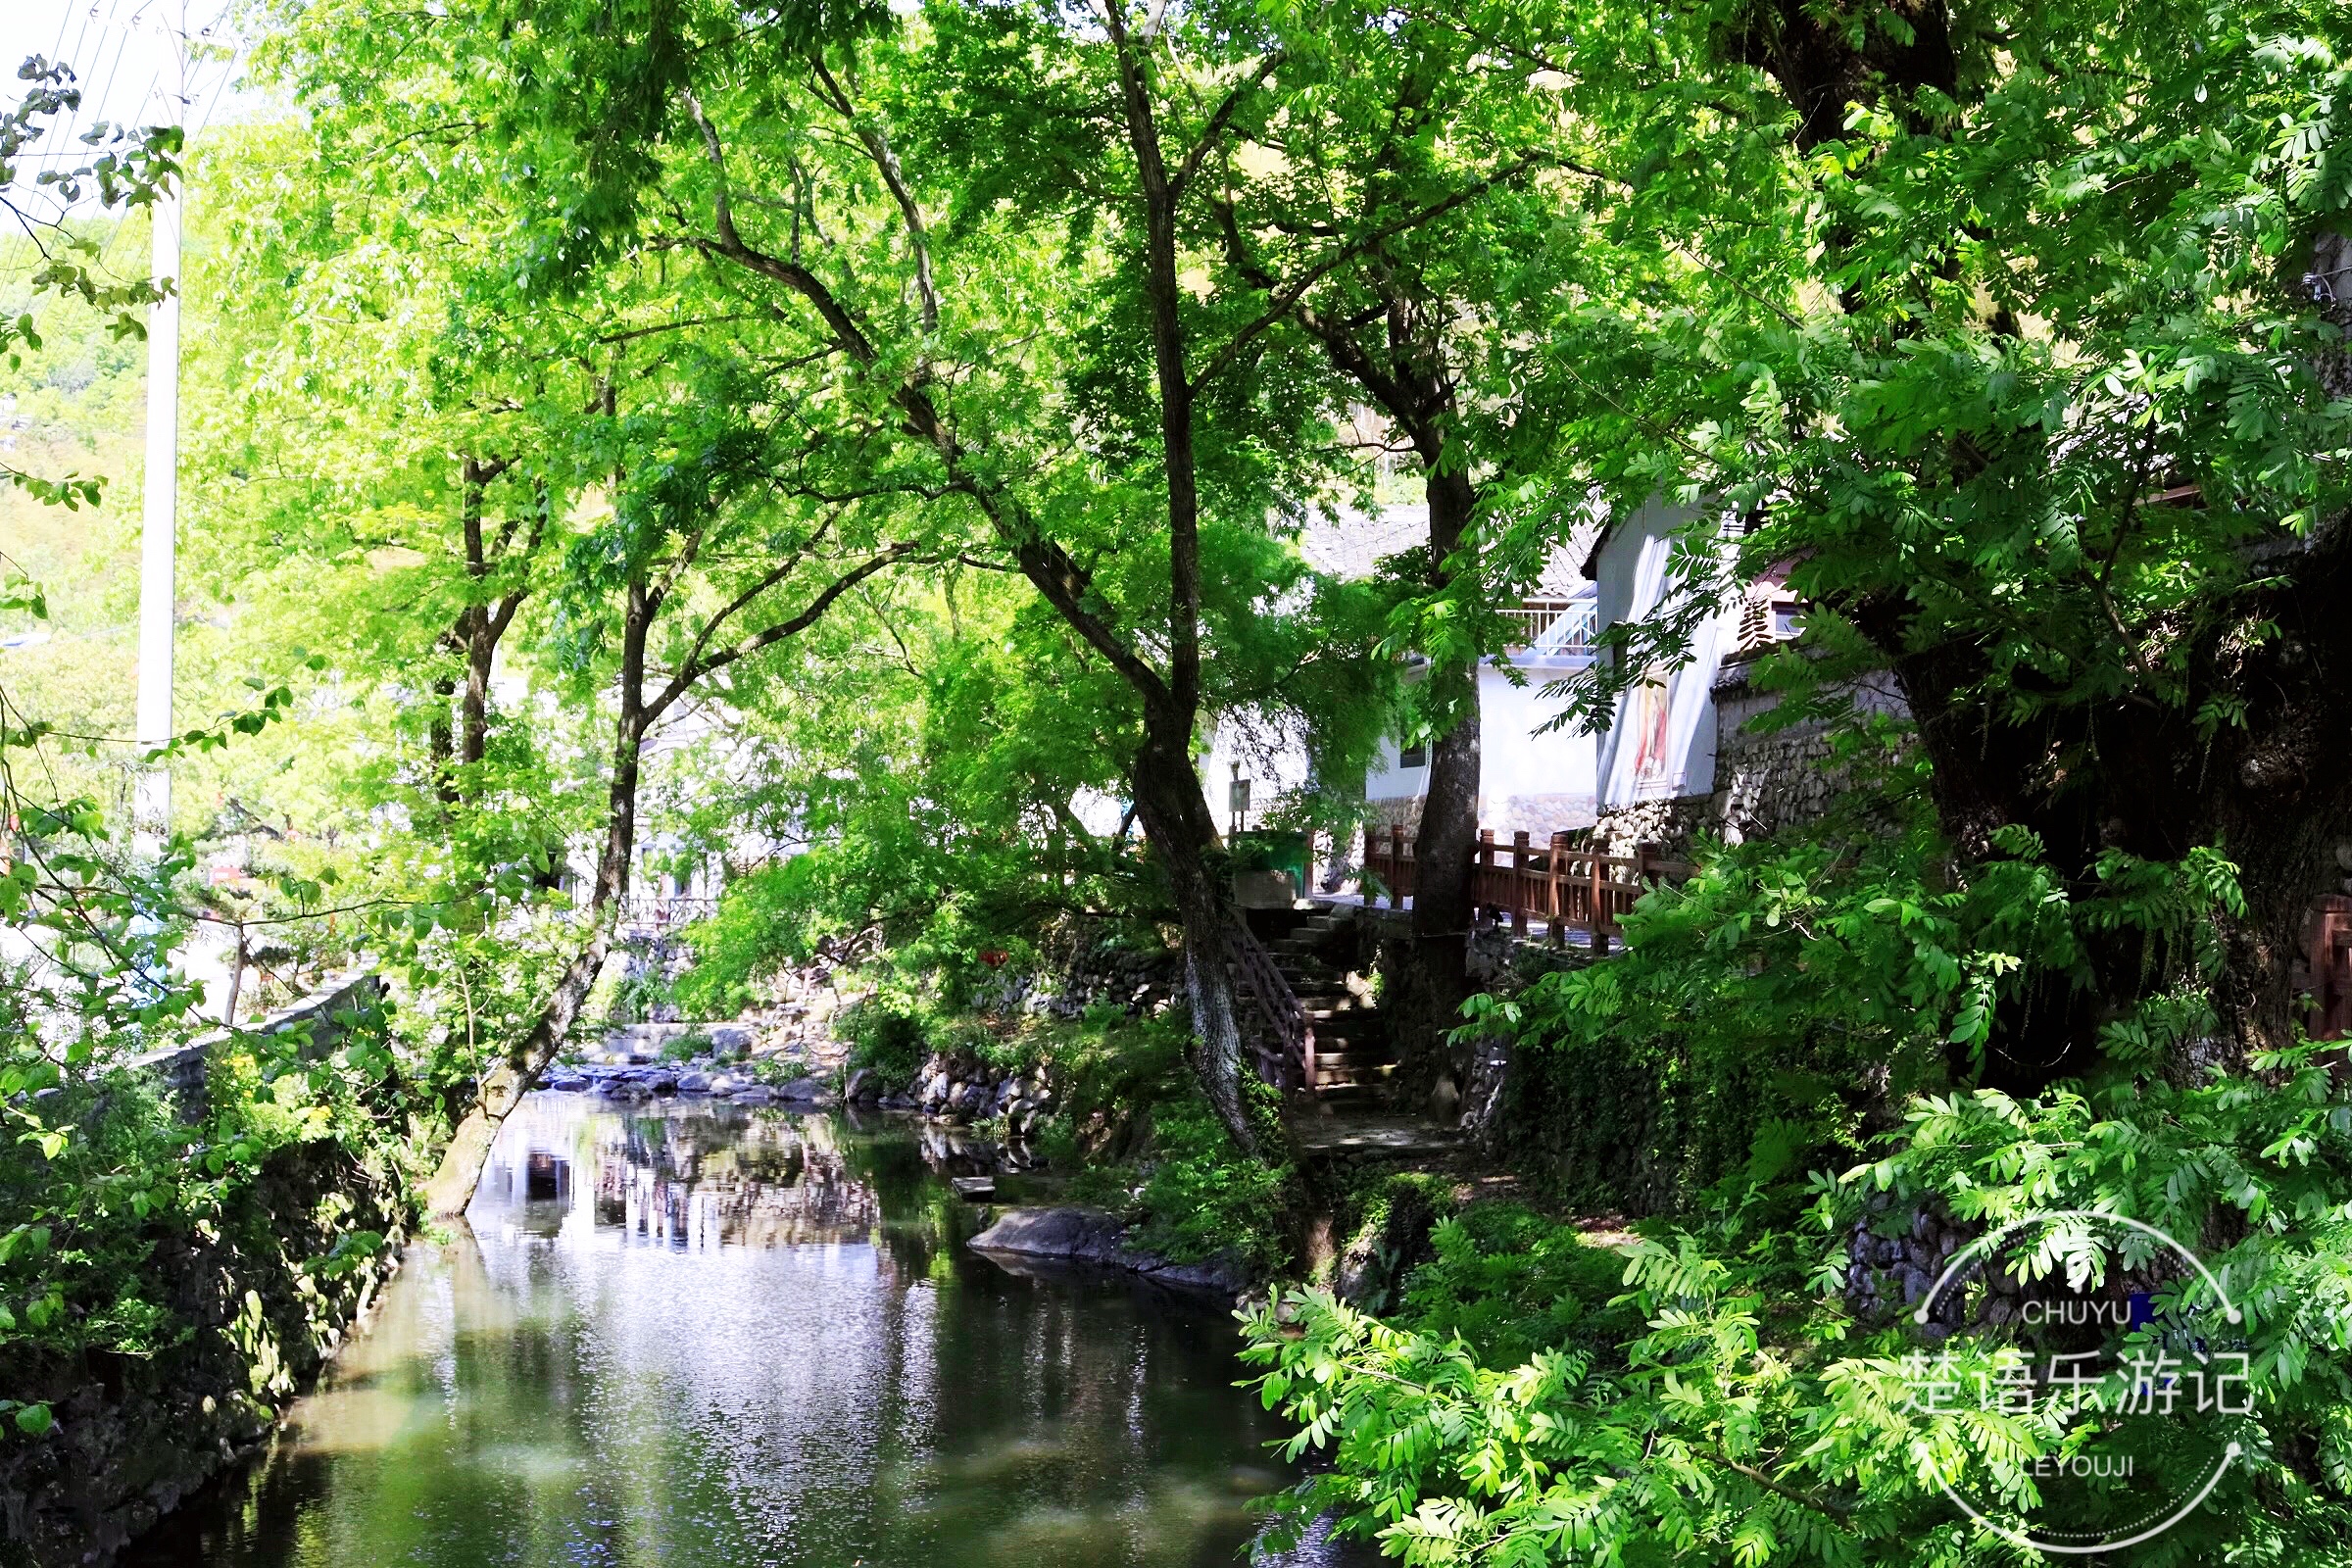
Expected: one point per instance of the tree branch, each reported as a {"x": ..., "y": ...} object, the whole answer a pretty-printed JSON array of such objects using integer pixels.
[
  {"x": 808, "y": 615},
  {"x": 885, "y": 161},
  {"x": 1048, "y": 567},
  {"x": 1291, "y": 295},
  {"x": 1219, "y": 120}
]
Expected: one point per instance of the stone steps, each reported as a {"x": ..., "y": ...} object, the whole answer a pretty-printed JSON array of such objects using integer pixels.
[{"x": 1353, "y": 1058}]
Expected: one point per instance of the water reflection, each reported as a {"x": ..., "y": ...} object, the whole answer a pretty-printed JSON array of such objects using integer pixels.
[{"x": 701, "y": 1334}]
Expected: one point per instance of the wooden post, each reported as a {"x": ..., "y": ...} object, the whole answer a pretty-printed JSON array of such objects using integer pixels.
[
  {"x": 1555, "y": 927},
  {"x": 1519, "y": 883},
  {"x": 1482, "y": 876},
  {"x": 1395, "y": 865},
  {"x": 1599, "y": 909}
]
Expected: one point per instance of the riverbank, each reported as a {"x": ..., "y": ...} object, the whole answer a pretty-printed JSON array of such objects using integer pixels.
[
  {"x": 261, "y": 1297},
  {"x": 689, "y": 1332}
]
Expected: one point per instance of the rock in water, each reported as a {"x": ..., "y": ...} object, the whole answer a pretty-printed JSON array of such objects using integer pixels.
[{"x": 1095, "y": 1235}]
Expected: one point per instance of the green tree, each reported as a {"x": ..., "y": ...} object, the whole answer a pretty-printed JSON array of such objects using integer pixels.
[
  {"x": 2016, "y": 333},
  {"x": 1468, "y": 188}
]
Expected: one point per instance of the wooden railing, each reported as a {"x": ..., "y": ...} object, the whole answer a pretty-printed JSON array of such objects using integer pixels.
[
  {"x": 1285, "y": 1044},
  {"x": 1558, "y": 885}
]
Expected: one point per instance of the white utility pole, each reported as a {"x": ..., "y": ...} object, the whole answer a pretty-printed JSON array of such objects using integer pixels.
[{"x": 151, "y": 814}]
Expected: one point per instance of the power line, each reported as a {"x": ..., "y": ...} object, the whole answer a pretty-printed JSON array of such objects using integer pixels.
[
  {"x": 62, "y": 132},
  {"x": 18, "y": 252}
]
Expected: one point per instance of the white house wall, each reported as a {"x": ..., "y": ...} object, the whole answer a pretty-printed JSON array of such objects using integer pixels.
[
  {"x": 1661, "y": 744},
  {"x": 1530, "y": 780}
]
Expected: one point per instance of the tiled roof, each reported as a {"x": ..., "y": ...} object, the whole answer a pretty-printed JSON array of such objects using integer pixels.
[{"x": 1353, "y": 544}]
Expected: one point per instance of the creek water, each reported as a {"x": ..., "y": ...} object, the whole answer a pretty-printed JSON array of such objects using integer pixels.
[{"x": 685, "y": 1335}]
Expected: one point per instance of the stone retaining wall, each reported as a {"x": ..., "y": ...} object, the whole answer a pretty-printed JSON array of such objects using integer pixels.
[
  {"x": 325, "y": 1015},
  {"x": 260, "y": 1297},
  {"x": 1084, "y": 966}
]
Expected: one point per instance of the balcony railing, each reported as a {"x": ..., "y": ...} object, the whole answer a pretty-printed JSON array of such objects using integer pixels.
[{"x": 1551, "y": 625}]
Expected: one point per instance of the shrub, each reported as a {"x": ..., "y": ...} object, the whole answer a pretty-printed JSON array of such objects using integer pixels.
[
  {"x": 888, "y": 1035},
  {"x": 1744, "y": 1415},
  {"x": 1510, "y": 1282},
  {"x": 1200, "y": 1196}
]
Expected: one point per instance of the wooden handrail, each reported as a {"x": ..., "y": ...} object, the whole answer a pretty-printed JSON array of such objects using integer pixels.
[
  {"x": 1289, "y": 1064},
  {"x": 1560, "y": 885}
]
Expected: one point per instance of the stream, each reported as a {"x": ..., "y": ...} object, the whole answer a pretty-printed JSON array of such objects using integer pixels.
[{"x": 689, "y": 1335}]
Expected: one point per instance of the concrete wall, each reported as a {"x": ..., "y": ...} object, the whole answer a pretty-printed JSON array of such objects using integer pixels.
[
  {"x": 180, "y": 1070},
  {"x": 1529, "y": 778}
]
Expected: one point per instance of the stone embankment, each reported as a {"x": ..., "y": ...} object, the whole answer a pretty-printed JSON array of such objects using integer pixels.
[
  {"x": 702, "y": 1076},
  {"x": 962, "y": 1089},
  {"x": 258, "y": 1298}
]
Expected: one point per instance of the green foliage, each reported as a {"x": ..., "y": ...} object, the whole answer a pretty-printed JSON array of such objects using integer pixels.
[
  {"x": 686, "y": 1046},
  {"x": 751, "y": 933},
  {"x": 1748, "y": 1419},
  {"x": 1869, "y": 963},
  {"x": 1509, "y": 1283},
  {"x": 1201, "y": 1198},
  {"x": 889, "y": 1035}
]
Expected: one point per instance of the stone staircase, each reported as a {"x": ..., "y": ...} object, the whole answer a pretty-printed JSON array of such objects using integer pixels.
[{"x": 1354, "y": 1060}]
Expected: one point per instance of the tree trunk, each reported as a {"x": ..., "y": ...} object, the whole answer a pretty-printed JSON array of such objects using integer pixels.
[
  {"x": 473, "y": 715},
  {"x": 1437, "y": 975},
  {"x": 440, "y": 747},
  {"x": 475, "y": 632},
  {"x": 2272, "y": 794},
  {"x": 236, "y": 977},
  {"x": 1183, "y": 835},
  {"x": 515, "y": 1075}
]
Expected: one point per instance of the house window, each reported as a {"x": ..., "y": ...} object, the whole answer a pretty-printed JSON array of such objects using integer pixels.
[{"x": 1413, "y": 756}]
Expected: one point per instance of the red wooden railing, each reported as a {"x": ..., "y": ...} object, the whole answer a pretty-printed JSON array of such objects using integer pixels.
[
  {"x": 1559, "y": 885},
  {"x": 2330, "y": 964}
]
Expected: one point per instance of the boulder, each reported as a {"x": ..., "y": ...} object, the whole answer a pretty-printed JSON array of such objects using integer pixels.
[
  {"x": 862, "y": 1089},
  {"x": 693, "y": 1083},
  {"x": 803, "y": 1089},
  {"x": 662, "y": 1083},
  {"x": 730, "y": 1040},
  {"x": 1082, "y": 1235},
  {"x": 1068, "y": 1231},
  {"x": 754, "y": 1095}
]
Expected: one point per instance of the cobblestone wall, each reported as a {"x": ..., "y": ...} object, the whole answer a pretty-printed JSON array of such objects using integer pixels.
[{"x": 1763, "y": 781}]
